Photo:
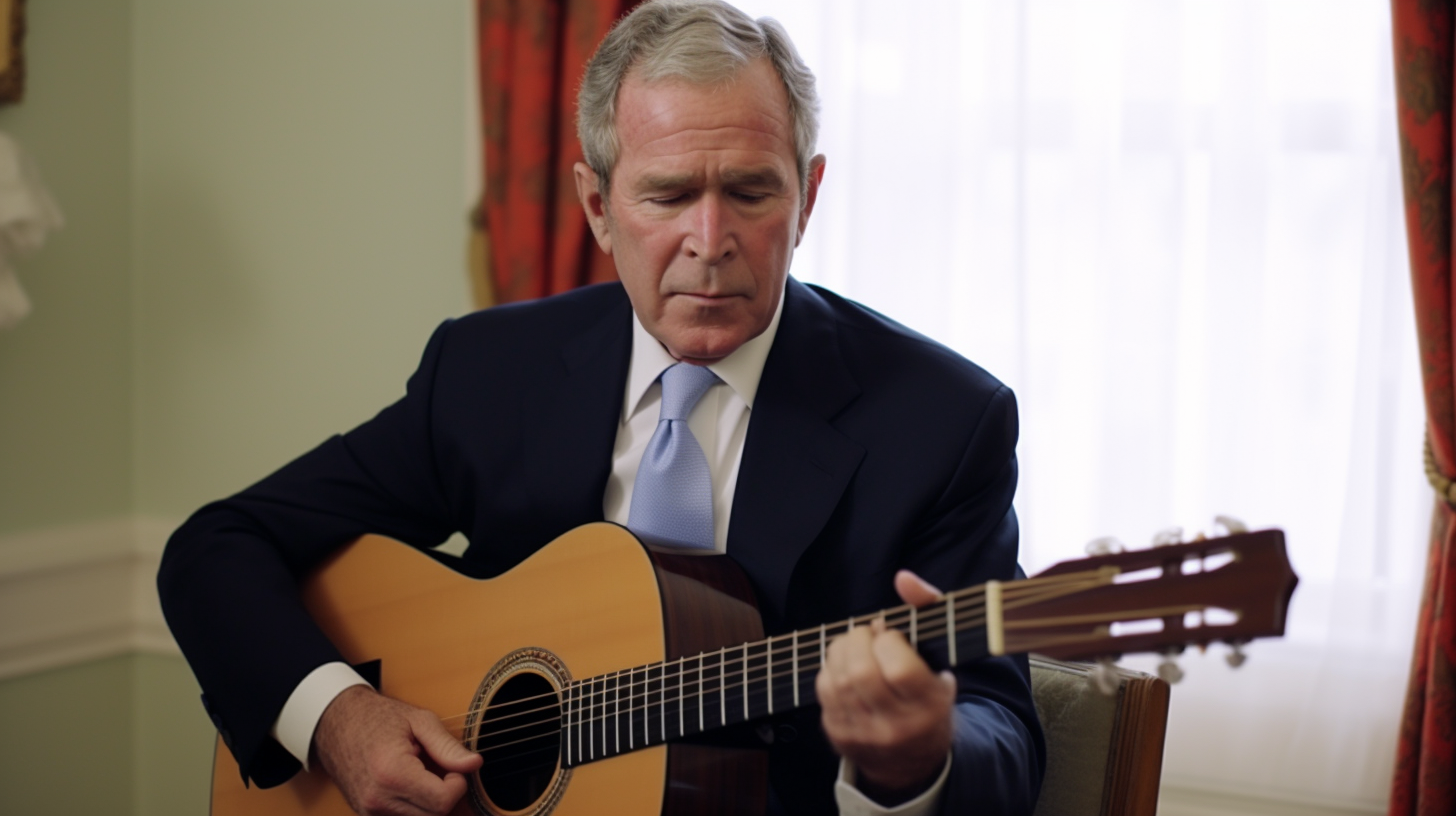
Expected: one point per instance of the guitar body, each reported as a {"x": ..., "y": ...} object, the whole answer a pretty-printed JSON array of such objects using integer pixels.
[{"x": 593, "y": 602}]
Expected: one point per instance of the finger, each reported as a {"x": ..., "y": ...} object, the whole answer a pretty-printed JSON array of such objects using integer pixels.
[
  {"x": 441, "y": 745},
  {"x": 436, "y": 795},
  {"x": 915, "y": 590},
  {"x": 907, "y": 678},
  {"x": 855, "y": 674},
  {"x": 422, "y": 791}
]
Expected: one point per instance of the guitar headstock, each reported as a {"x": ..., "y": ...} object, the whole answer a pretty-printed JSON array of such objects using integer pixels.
[{"x": 1230, "y": 589}]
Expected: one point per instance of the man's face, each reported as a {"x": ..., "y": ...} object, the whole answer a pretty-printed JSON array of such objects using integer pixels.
[{"x": 704, "y": 210}]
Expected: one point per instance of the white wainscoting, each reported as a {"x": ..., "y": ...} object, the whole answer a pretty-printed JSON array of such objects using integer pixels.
[{"x": 81, "y": 592}]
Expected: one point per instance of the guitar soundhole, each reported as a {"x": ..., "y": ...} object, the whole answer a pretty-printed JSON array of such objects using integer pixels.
[
  {"x": 515, "y": 725},
  {"x": 520, "y": 741}
]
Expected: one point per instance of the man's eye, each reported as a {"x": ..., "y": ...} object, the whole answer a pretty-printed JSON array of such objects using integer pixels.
[
  {"x": 750, "y": 198},
  {"x": 668, "y": 201}
]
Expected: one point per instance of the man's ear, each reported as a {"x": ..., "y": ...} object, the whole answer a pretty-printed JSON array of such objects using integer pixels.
[
  {"x": 811, "y": 194},
  {"x": 593, "y": 204}
]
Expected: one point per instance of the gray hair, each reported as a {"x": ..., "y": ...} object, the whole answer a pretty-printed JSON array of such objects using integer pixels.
[{"x": 703, "y": 42}]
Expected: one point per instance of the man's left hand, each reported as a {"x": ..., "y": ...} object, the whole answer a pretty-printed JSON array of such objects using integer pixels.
[{"x": 884, "y": 709}]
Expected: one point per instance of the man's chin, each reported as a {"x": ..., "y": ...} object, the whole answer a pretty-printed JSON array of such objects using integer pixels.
[{"x": 706, "y": 348}]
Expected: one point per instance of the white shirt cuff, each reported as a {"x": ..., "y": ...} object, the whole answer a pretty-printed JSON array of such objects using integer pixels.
[
  {"x": 854, "y": 803},
  {"x": 305, "y": 707}
]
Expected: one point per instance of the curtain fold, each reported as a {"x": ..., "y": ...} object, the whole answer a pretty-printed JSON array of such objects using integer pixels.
[
  {"x": 531, "y": 56},
  {"x": 1423, "y": 30}
]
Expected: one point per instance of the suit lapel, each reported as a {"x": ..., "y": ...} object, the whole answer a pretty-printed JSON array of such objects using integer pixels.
[
  {"x": 573, "y": 417},
  {"x": 795, "y": 465}
]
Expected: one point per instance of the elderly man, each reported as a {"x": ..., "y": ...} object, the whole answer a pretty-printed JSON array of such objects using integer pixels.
[{"x": 838, "y": 456}]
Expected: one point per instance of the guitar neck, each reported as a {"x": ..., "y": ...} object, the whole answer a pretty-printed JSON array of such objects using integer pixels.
[
  {"x": 1232, "y": 589},
  {"x": 648, "y": 705}
]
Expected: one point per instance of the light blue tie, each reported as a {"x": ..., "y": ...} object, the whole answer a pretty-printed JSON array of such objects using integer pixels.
[{"x": 672, "y": 499}]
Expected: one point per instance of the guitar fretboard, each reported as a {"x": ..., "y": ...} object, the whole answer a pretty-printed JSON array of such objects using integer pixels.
[{"x": 634, "y": 708}]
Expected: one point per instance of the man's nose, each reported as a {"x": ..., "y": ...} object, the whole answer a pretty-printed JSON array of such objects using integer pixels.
[{"x": 711, "y": 238}]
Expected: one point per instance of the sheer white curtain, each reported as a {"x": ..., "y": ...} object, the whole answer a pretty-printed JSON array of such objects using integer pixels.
[{"x": 1174, "y": 227}]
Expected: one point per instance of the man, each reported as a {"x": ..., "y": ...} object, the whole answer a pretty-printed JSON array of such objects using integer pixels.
[{"x": 840, "y": 450}]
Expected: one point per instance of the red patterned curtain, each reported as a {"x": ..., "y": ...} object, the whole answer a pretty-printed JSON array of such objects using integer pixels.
[
  {"x": 535, "y": 240},
  {"x": 1425, "y": 775}
]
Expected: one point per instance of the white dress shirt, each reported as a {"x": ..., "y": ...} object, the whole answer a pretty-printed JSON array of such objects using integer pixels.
[{"x": 719, "y": 422}]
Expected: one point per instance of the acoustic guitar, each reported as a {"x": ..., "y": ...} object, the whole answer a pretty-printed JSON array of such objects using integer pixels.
[{"x": 582, "y": 675}]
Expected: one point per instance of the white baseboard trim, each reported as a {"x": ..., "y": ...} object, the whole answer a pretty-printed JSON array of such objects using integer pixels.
[
  {"x": 81, "y": 592},
  {"x": 1191, "y": 800}
]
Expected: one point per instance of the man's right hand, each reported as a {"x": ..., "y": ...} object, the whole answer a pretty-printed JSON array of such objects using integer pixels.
[{"x": 389, "y": 758}]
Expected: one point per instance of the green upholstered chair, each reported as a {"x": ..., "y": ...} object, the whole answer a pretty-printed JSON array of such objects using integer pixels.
[{"x": 1104, "y": 751}]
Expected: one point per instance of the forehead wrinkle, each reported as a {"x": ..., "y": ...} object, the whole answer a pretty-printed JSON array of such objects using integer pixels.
[
  {"x": 763, "y": 176},
  {"x": 667, "y": 181},
  {"x": 701, "y": 138}
]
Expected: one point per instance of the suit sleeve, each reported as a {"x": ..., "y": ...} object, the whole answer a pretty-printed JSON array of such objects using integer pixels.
[
  {"x": 229, "y": 576},
  {"x": 970, "y": 537}
]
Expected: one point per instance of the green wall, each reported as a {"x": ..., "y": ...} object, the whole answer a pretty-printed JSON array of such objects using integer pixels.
[
  {"x": 66, "y": 371},
  {"x": 300, "y": 225},
  {"x": 67, "y": 746},
  {"x": 118, "y": 736},
  {"x": 266, "y": 216}
]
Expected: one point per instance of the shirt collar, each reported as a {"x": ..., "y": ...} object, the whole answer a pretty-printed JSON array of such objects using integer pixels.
[{"x": 740, "y": 370}]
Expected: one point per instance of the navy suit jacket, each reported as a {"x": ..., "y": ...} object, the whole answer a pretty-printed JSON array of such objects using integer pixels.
[{"x": 870, "y": 449}]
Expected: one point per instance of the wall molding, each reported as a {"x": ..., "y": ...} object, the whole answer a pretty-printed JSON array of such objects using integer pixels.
[
  {"x": 1176, "y": 799},
  {"x": 80, "y": 592}
]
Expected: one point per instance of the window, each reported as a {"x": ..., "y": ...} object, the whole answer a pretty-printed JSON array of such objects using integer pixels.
[{"x": 1175, "y": 228}]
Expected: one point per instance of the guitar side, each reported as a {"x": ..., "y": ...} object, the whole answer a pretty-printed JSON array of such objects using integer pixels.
[{"x": 593, "y": 598}]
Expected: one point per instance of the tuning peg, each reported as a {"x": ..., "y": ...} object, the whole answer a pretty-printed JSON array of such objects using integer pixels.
[
  {"x": 1105, "y": 545},
  {"x": 1168, "y": 536},
  {"x": 1104, "y": 676},
  {"x": 1231, "y": 525},
  {"x": 1168, "y": 669},
  {"x": 1236, "y": 656}
]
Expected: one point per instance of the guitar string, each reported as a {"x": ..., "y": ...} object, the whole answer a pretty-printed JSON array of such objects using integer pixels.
[
  {"x": 555, "y": 734},
  {"x": 895, "y": 618},
  {"x": 734, "y": 655},
  {"x": 606, "y": 696},
  {"x": 611, "y": 697}
]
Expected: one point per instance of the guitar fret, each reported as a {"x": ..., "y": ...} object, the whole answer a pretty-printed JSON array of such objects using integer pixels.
[
  {"x": 662, "y": 700},
  {"x": 604, "y": 717},
  {"x": 914, "y": 628},
  {"x": 722, "y": 687},
  {"x": 701, "y": 726},
  {"x": 950, "y": 627},
  {"x": 768, "y": 678},
  {"x": 570, "y": 717},
  {"x": 745, "y": 682},
  {"x": 821, "y": 645},
  {"x": 795, "y": 670}
]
